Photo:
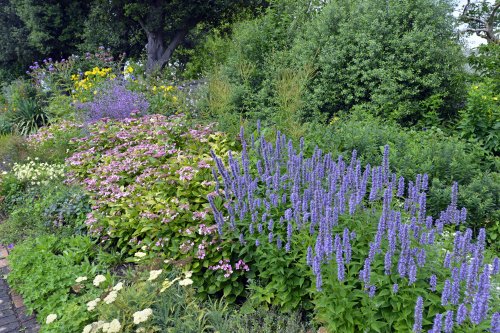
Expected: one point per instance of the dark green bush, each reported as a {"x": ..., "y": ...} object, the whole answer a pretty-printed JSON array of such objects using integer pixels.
[{"x": 398, "y": 59}]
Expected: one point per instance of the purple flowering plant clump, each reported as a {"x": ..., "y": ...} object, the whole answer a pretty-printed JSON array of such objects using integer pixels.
[
  {"x": 113, "y": 100},
  {"x": 354, "y": 243}
]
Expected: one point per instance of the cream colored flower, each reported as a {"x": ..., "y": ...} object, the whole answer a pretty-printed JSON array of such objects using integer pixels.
[
  {"x": 185, "y": 282},
  {"x": 98, "y": 280},
  {"x": 140, "y": 254},
  {"x": 167, "y": 284},
  {"x": 118, "y": 287},
  {"x": 92, "y": 304},
  {"x": 111, "y": 297},
  {"x": 112, "y": 327},
  {"x": 188, "y": 274},
  {"x": 87, "y": 329},
  {"x": 142, "y": 316},
  {"x": 153, "y": 275},
  {"x": 51, "y": 318},
  {"x": 81, "y": 279}
]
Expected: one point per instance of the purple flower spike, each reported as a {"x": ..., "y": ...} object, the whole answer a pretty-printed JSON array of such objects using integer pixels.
[
  {"x": 433, "y": 282},
  {"x": 436, "y": 328},
  {"x": 448, "y": 322},
  {"x": 419, "y": 309},
  {"x": 461, "y": 314},
  {"x": 446, "y": 293},
  {"x": 395, "y": 288},
  {"x": 495, "y": 323}
]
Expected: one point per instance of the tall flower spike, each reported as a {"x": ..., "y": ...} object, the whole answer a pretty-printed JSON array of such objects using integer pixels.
[
  {"x": 419, "y": 309},
  {"x": 448, "y": 322},
  {"x": 461, "y": 314}
]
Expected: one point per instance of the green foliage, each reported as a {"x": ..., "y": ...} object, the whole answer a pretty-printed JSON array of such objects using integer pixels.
[
  {"x": 43, "y": 271},
  {"x": 479, "y": 118},
  {"x": 148, "y": 179},
  {"x": 485, "y": 63},
  {"x": 444, "y": 158},
  {"x": 12, "y": 149},
  {"x": 52, "y": 144},
  {"x": 15, "y": 51},
  {"x": 41, "y": 210},
  {"x": 106, "y": 25},
  {"x": 27, "y": 117},
  {"x": 53, "y": 28},
  {"x": 398, "y": 59}
]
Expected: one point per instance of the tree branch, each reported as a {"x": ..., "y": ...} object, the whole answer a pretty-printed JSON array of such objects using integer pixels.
[
  {"x": 178, "y": 38},
  {"x": 143, "y": 26}
]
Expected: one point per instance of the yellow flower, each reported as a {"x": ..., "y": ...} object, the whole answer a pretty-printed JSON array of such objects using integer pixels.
[{"x": 495, "y": 98}]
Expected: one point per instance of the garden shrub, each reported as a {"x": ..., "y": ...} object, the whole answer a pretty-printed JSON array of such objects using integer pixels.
[
  {"x": 366, "y": 235},
  {"x": 148, "y": 179},
  {"x": 54, "y": 77},
  {"x": 408, "y": 66},
  {"x": 24, "y": 109},
  {"x": 480, "y": 118},
  {"x": 51, "y": 144},
  {"x": 43, "y": 272},
  {"x": 12, "y": 149}
]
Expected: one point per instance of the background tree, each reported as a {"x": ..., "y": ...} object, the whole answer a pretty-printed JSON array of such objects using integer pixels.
[
  {"x": 53, "y": 27},
  {"x": 167, "y": 23},
  {"x": 483, "y": 19},
  {"x": 15, "y": 51}
]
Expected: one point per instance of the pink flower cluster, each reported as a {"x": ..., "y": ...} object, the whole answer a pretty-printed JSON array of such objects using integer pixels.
[{"x": 225, "y": 266}]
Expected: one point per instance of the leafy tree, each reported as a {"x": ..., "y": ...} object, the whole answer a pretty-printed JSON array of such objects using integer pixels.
[
  {"x": 397, "y": 58},
  {"x": 400, "y": 59},
  {"x": 53, "y": 27},
  {"x": 107, "y": 25},
  {"x": 15, "y": 52},
  {"x": 167, "y": 23},
  {"x": 483, "y": 19}
]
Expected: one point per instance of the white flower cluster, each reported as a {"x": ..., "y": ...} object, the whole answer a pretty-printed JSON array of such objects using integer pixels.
[
  {"x": 36, "y": 173},
  {"x": 142, "y": 316},
  {"x": 112, "y": 327}
]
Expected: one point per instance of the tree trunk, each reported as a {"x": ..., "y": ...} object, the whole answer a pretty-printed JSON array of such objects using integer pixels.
[{"x": 158, "y": 54}]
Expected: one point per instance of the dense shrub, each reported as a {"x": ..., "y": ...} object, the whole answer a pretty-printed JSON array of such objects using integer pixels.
[
  {"x": 41, "y": 209},
  {"x": 398, "y": 59},
  {"x": 480, "y": 119},
  {"x": 53, "y": 77},
  {"x": 148, "y": 179},
  {"x": 12, "y": 149},
  {"x": 24, "y": 112},
  {"x": 51, "y": 144}
]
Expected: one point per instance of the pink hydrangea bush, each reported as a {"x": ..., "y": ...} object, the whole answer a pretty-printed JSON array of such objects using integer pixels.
[{"x": 149, "y": 178}]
